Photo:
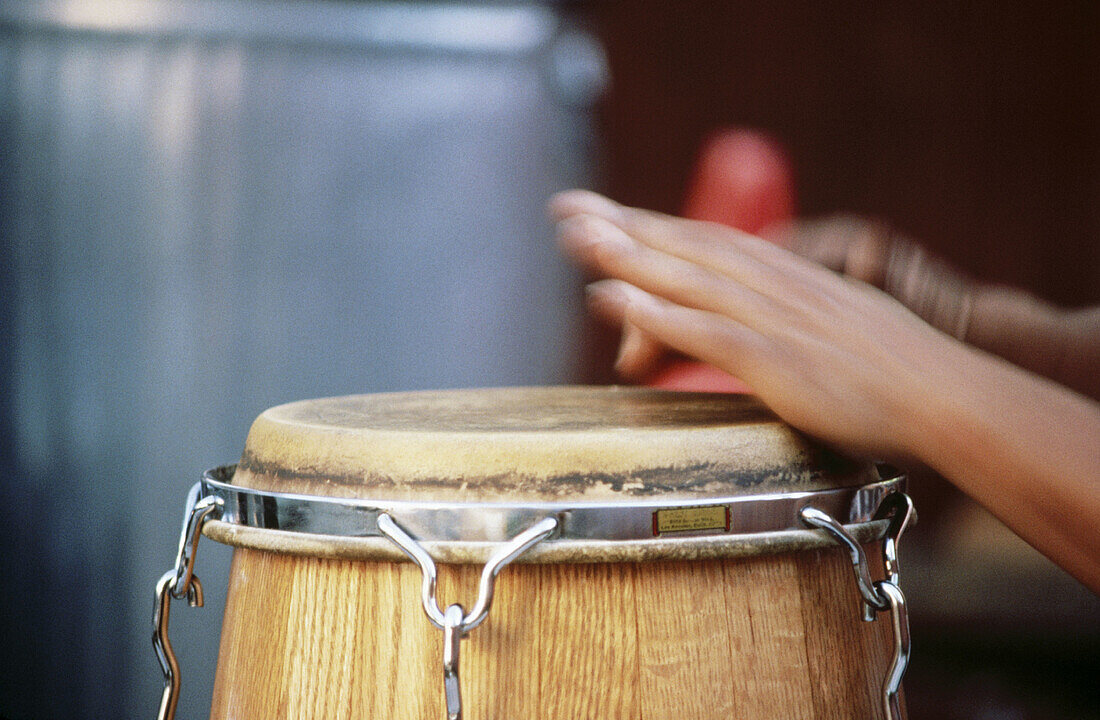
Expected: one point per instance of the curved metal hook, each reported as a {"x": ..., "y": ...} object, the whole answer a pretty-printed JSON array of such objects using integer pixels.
[
  {"x": 520, "y": 544},
  {"x": 899, "y": 617},
  {"x": 507, "y": 553},
  {"x": 179, "y": 582},
  {"x": 454, "y": 623},
  {"x": 420, "y": 556},
  {"x": 195, "y": 515},
  {"x": 815, "y": 518},
  {"x": 162, "y": 644},
  {"x": 897, "y": 506}
]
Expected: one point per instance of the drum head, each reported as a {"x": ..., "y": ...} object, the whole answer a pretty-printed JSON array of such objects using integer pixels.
[
  {"x": 541, "y": 444},
  {"x": 629, "y": 473}
]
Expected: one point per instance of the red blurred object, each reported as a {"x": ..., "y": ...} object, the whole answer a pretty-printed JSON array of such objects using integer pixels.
[
  {"x": 742, "y": 179},
  {"x": 695, "y": 376}
]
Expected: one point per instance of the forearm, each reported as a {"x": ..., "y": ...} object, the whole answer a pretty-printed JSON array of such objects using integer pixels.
[
  {"x": 1055, "y": 343},
  {"x": 1026, "y": 448},
  {"x": 1061, "y": 345},
  {"x": 805, "y": 339}
]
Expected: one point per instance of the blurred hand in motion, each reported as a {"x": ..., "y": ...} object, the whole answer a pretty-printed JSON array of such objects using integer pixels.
[
  {"x": 742, "y": 178},
  {"x": 1063, "y": 345},
  {"x": 847, "y": 362},
  {"x": 878, "y": 255},
  {"x": 803, "y": 337}
]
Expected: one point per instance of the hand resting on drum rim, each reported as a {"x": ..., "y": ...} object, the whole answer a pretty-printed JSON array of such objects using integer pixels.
[{"x": 847, "y": 363}]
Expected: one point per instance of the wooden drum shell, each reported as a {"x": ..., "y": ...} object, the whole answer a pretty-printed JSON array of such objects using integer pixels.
[{"x": 754, "y": 637}]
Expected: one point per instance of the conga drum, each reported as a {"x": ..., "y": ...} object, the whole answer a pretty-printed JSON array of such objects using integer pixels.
[{"x": 576, "y": 553}]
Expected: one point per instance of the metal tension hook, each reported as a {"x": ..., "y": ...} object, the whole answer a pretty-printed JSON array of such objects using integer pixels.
[
  {"x": 879, "y": 595},
  {"x": 452, "y": 634},
  {"x": 455, "y": 623},
  {"x": 179, "y": 582}
]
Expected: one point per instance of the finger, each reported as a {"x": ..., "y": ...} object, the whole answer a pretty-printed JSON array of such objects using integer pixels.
[
  {"x": 582, "y": 202},
  {"x": 708, "y": 336},
  {"x": 606, "y": 249},
  {"x": 847, "y": 244},
  {"x": 658, "y": 229},
  {"x": 753, "y": 262},
  {"x": 638, "y": 353},
  {"x": 814, "y": 240}
]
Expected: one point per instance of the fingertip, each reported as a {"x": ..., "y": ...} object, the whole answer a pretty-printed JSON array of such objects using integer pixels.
[
  {"x": 575, "y": 202},
  {"x": 604, "y": 290},
  {"x": 584, "y": 236},
  {"x": 628, "y": 368},
  {"x": 637, "y": 355},
  {"x": 608, "y": 299}
]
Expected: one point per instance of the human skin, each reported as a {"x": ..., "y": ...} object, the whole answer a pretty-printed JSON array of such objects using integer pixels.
[
  {"x": 1060, "y": 344},
  {"x": 850, "y": 365}
]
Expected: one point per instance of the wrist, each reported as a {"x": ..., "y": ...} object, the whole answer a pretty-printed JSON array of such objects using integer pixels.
[
  {"x": 1018, "y": 327},
  {"x": 984, "y": 417},
  {"x": 932, "y": 436},
  {"x": 952, "y": 408}
]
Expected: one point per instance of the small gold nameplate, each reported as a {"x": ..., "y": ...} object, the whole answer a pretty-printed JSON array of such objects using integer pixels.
[{"x": 673, "y": 520}]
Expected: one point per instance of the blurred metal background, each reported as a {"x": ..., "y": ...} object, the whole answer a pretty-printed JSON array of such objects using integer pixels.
[{"x": 211, "y": 207}]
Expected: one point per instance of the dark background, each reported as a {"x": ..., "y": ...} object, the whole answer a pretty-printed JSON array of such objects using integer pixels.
[{"x": 972, "y": 126}]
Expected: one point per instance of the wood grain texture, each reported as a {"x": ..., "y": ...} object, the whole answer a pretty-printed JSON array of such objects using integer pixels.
[
  {"x": 765, "y": 637},
  {"x": 683, "y": 643},
  {"x": 768, "y": 637},
  {"x": 588, "y": 642}
]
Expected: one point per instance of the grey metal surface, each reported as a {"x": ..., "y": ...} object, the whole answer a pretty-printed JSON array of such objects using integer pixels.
[
  {"x": 600, "y": 525},
  {"x": 208, "y": 208}
]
